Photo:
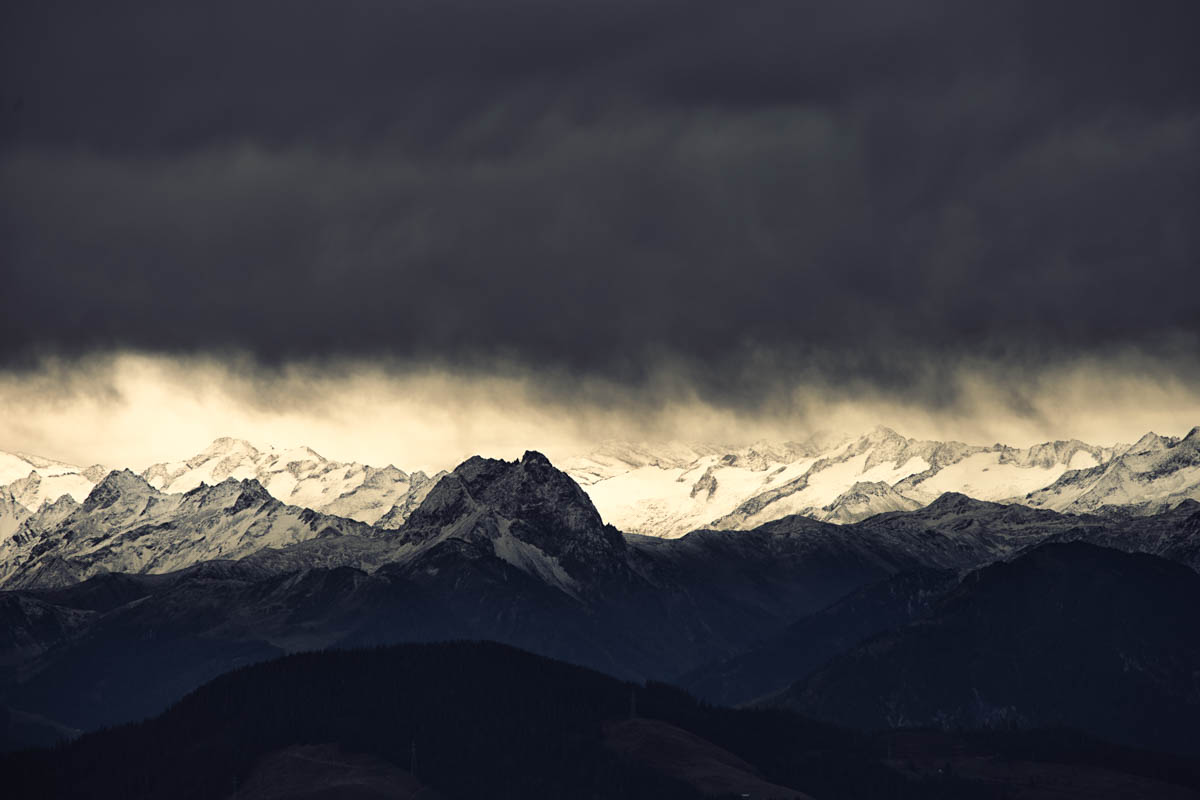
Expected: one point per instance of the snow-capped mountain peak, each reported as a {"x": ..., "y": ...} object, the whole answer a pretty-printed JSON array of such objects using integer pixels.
[
  {"x": 33, "y": 480},
  {"x": 224, "y": 458},
  {"x": 640, "y": 491},
  {"x": 669, "y": 489},
  {"x": 1148, "y": 444},
  {"x": 226, "y": 446},
  {"x": 127, "y": 525},
  {"x": 299, "y": 476},
  {"x": 12, "y": 514},
  {"x": 1154, "y": 474},
  {"x": 863, "y": 500},
  {"x": 118, "y": 486}
]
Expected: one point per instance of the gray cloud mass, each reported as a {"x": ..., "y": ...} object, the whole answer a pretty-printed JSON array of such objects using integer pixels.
[{"x": 864, "y": 195}]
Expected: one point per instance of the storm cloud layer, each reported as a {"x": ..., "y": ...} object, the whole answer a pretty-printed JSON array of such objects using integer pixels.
[{"x": 745, "y": 196}]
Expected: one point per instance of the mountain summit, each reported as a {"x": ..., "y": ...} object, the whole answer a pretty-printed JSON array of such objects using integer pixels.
[
  {"x": 119, "y": 486},
  {"x": 529, "y": 513}
]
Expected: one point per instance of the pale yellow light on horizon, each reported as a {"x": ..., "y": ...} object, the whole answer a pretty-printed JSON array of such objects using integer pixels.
[{"x": 132, "y": 409}]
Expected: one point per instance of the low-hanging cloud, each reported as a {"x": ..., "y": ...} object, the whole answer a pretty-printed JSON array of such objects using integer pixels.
[
  {"x": 762, "y": 208},
  {"x": 135, "y": 409}
]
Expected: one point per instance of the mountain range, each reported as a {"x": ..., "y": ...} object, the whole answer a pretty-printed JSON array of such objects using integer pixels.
[
  {"x": 668, "y": 490},
  {"x": 927, "y": 614},
  {"x": 127, "y": 524},
  {"x": 298, "y": 476},
  {"x": 671, "y": 490},
  {"x": 119, "y": 605}
]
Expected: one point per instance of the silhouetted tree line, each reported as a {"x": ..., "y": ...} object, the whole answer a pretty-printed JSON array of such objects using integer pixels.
[{"x": 485, "y": 720}]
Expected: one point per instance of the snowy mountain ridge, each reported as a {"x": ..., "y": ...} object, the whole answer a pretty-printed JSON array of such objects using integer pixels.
[
  {"x": 1153, "y": 475},
  {"x": 529, "y": 521},
  {"x": 32, "y": 480},
  {"x": 298, "y": 476},
  {"x": 679, "y": 488},
  {"x": 669, "y": 489},
  {"x": 126, "y": 525}
]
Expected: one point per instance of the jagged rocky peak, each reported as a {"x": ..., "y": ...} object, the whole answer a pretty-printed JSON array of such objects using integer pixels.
[
  {"x": 882, "y": 433},
  {"x": 530, "y": 489},
  {"x": 1150, "y": 443},
  {"x": 530, "y": 499},
  {"x": 232, "y": 493},
  {"x": 115, "y": 486},
  {"x": 448, "y": 500},
  {"x": 225, "y": 452},
  {"x": 227, "y": 446},
  {"x": 58, "y": 508},
  {"x": 25, "y": 490},
  {"x": 251, "y": 487},
  {"x": 885, "y": 446},
  {"x": 707, "y": 485},
  {"x": 64, "y": 504},
  {"x": 379, "y": 477}
]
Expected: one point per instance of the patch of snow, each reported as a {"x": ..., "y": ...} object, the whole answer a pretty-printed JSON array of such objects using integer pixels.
[
  {"x": 983, "y": 477},
  {"x": 528, "y": 558}
]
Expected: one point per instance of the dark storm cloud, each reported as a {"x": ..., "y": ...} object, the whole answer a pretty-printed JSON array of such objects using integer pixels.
[{"x": 756, "y": 194}]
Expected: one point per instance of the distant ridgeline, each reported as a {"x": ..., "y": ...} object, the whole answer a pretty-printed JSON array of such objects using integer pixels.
[{"x": 670, "y": 489}]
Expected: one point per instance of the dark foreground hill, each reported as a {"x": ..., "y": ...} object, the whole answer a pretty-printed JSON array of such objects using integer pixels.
[
  {"x": 461, "y": 720},
  {"x": 1068, "y": 634},
  {"x": 775, "y": 662}
]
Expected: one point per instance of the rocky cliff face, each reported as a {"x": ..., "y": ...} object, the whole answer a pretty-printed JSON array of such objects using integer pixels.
[{"x": 531, "y": 515}]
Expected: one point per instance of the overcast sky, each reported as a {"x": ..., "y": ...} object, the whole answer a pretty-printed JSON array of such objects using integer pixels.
[{"x": 541, "y": 223}]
